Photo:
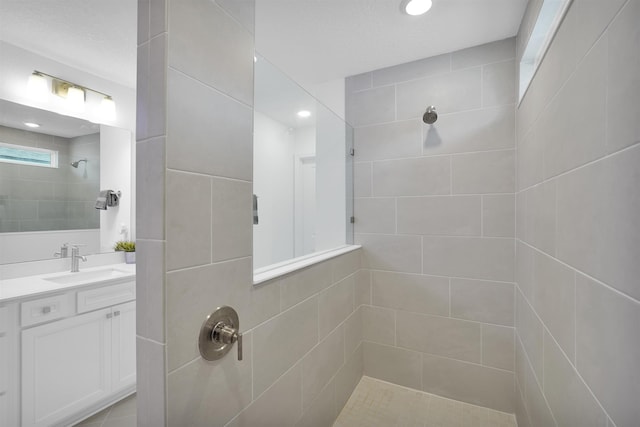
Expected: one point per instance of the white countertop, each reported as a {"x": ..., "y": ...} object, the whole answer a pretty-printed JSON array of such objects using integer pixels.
[{"x": 41, "y": 284}]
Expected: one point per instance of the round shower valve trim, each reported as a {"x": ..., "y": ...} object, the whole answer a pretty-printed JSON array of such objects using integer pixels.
[{"x": 218, "y": 333}]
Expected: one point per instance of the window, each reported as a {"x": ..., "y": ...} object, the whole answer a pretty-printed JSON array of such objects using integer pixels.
[
  {"x": 548, "y": 21},
  {"x": 32, "y": 156}
]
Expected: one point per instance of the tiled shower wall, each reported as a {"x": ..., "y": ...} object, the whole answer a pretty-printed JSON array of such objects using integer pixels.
[
  {"x": 434, "y": 213},
  {"x": 302, "y": 333},
  {"x": 578, "y": 240}
]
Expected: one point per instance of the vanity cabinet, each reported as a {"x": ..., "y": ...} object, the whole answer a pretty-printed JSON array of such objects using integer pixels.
[{"x": 77, "y": 350}]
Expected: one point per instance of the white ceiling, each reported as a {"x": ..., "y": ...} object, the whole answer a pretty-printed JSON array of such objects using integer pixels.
[
  {"x": 315, "y": 41},
  {"x": 312, "y": 40}
]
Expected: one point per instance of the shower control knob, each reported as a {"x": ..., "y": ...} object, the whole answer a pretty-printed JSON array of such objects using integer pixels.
[{"x": 218, "y": 333}]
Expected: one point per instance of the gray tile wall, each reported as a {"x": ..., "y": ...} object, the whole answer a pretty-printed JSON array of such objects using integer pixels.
[
  {"x": 435, "y": 214},
  {"x": 34, "y": 198},
  {"x": 578, "y": 204},
  {"x": 302, "y": 333}
]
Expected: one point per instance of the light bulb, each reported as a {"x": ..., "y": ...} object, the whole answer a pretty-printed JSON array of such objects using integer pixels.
[
  {"x": 417, "y": 7},
  {"x": 304, "y": 113},
  {"x": 37, "y": 87},
  {"x": 75, "y": 98},
  {"x": 31, "y": 125},
  {"x": 108, "y": 108}
]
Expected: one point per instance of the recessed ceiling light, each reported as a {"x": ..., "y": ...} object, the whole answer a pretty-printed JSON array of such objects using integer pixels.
[
  {"x": 31, "y": 125},
  {"x": 416, "y": 7},
  {"x": 304, "y": 113}
]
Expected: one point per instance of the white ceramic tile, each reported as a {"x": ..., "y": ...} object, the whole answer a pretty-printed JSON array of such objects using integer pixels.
[
  {"x": 482, "y": 301},
  {"x": 282, "y": 341},
  {"x": 498, "y": 347},
  {"x": 188, "y": 220},
  {"x": 411, "y": 177},
  {"x": 412, "y": 70},
  {"x": 243, "y": 12},
  {"x": 535, "y": 402},
  {"x": 592, "y": 18},
  {"x": 336, "y": 303},
  {"x": 440, "y": 215},
  {"x": 598, "y": 207},
  {"x": 442, "y": 336},
  {"x": 157, "y": 17},
  {"x": 530, "y": 160},
  {"x": 348, "y": 377},
  {"x": 302, "y": 284},
  {"x": 530, "y": 331},
  {"x": 539, "y": 216},
  {"x": 476, "y": 130},
  {"x": 388, "y": 141},
  {"x": 484, "y": 54},
  {"x": 478, "y": 173},
  {"x": 320, "y": 365},
  {"x": 151, "y": 382},
  {"x": 150, "y": 290},
  {"x": 218, "y": 144},
  {"x": 469, "y": 257},
  {"x": 623, "y": 87},
  {"x": 143, "y": 21},
  {"x": 608, "y": 348},
  {"x": 228, "y": 62},
  {"x": 192, "y": 294},
  {"x": 358, "y": 82},
  {"x": 363, "y": 288},
  {"x": 499, "y": 83},
  {"x": 372, "y": 106},
  {"x": 150, "y": 189},
  {"x": 524, "y": 269},
  {"x": 392, "y": 253},
  {"x": 353, "y": 332},
  {"x": 156, "y": 109},
  {"x": 323, "y": 411},
  {"x": 570, "y": 140},
  {"x": 468, "y": 382},
  {"x": 281, "y": 405},
  {"x": 231, "y": 212},
  {"x": 265, "y": 303},
  {"x": 451, "y": 92},
  {"x": 498, "y": 215},
  {"x": 554, "y": 300},
  {"x": 227, "y": 379},
  {"x": 375, "y": 215},
  {"x": 569, "y": 399},
  {"x": 393, "y": 364},
  {"x": 362, "y": 179},
  {"x": 411, "y": 292},
  {"x": 378, "y": 325},
  {"x": 345, "y": 265}
]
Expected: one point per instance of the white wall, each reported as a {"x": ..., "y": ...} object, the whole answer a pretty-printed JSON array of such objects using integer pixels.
[
  {"x": 115, "y": 174},
  {"x": 273, "y": 184}
]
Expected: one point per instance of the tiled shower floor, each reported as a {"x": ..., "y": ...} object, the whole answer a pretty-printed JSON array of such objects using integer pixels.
[{"x": 377, "y": 403}]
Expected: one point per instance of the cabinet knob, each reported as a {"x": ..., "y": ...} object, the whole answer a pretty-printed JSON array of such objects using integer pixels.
[
  {"x": 218, "y": 333},
  {"x": 109, "y": 315},
  {"x": 46, "y": 309},
  {"x": 116, "y": 313}
]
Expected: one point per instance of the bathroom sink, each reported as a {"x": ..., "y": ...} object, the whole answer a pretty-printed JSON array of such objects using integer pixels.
[{"x": 88, "y": 276}]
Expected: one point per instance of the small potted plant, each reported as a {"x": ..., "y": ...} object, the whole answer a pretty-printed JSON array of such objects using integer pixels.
[{"x": 129, "y": 249}]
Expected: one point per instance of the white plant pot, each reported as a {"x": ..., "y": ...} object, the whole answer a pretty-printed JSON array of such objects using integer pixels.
[{"x": 130, "y": 257}]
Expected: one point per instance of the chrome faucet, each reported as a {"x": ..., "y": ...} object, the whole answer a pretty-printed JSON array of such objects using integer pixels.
[
  {"x": 64, "y": 251},
  {"x": 75, "y": 259}
]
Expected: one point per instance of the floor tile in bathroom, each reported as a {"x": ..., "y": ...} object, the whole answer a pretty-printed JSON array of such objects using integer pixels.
[
  {"x": 376, "y": 403},
  {"x": 120, "y": 414}
]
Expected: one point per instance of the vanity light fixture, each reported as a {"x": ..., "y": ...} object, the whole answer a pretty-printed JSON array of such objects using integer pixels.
[
  {"x": 304, "y": 113},
  {"x": 75, "y": 94},
  {"x": 31, "y": 125},
  {"x": 416, "y": 7}
]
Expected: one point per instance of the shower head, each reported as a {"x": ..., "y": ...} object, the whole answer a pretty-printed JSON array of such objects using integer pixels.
[
  {"x": 430, "y": 116},
  {"x": 75, "y": 164}
]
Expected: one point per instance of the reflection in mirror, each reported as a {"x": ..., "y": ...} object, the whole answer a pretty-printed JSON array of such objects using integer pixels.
[
  {"x": 49, "y": 182},
  {"x": 302, "y": 172}
]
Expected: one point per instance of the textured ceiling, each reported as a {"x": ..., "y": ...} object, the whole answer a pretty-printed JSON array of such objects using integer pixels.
[{"x": 97, "y": 36}]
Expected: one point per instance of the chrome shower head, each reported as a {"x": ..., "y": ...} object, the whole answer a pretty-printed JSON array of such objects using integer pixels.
[
  {"x": 75, "y": 164},
  {"x": 430, "y": 116}
]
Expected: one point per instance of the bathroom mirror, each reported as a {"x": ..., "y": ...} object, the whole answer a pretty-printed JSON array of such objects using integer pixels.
[
  {"x": 50, "y": 177},
  {"x": 302, "y": 172}
]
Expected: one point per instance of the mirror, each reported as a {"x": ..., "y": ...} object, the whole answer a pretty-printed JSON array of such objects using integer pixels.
[
  {"x": 51, "y": 200},
  {"x": 302, "y": 172}
]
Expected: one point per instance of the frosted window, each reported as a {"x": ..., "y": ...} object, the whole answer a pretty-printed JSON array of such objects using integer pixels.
[{"x": 22, "y": 155}]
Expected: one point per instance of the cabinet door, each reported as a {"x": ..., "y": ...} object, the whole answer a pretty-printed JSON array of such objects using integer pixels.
[
  {"x": 123, "y": 347},
  {"x": 66, "y": 366}
]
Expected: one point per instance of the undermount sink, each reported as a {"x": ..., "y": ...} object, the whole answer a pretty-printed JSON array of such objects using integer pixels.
[{"x": 88, "y": 276}]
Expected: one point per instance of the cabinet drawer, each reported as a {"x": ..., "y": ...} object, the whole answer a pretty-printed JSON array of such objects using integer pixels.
[
  {"x": 106, "y": 296},
  {"x": 46, "y": 309}
]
